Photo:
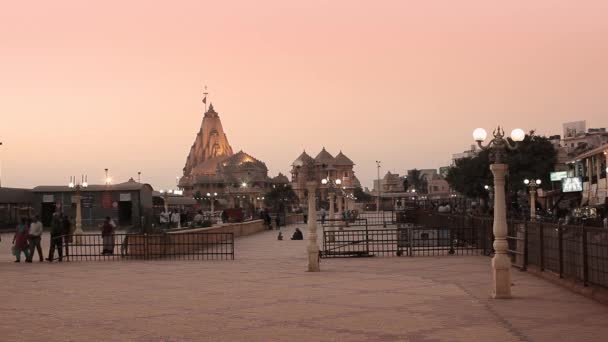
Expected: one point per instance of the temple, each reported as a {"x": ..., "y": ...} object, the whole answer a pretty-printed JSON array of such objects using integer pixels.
[
  {"x": 239, "y": 179},
  {"x": 329, "y": 167}
]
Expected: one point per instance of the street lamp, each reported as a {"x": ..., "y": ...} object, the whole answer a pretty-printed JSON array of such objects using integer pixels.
[
  {"x": 332, "y": 184},
  {"x": 532, "y": 185},
  {"x": 379, "y": 187},
  {"x": 212, "y": 199},
  {"x": 312, "y": 249},
  {"x": 77, "y": 187},
  {"x": 501, "y": 263}
]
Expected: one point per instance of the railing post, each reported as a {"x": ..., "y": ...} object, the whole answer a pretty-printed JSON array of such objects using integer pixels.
[
  {"x": 525, "y": 265},
  {"x": 541, "y": 248},
  {"x": 585, "y": 264},
  {"x": 560, "y": 237}
]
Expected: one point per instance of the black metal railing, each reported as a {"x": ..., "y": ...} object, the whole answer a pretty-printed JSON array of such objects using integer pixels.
[
  {"x": 570, "y": 251},
  {"x": 183, "y": 246},
  {"x": 339, "y": 242}
]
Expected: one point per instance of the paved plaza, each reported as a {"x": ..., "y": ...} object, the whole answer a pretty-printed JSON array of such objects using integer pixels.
[{"x": 265, "y": 295}]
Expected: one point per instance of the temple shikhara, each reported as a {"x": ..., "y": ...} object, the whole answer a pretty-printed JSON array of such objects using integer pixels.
[{"x": 239, "y": 179}]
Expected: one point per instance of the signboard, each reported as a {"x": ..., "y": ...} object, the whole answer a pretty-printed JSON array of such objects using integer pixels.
[
  {"x": 125, "y": 197},
  {"x": 572, "y": 184},
  {"x": 106, "y": 200},
  {"x": 558, "y": 176},
  {"x": 87, "y": 201},
  {"x": 48, "y": 198}
]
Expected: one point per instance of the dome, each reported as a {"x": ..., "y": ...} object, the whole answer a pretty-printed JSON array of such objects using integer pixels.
[
  {"x": 324, "y": 158},
  {"x": 242, "y": 160},
  {"x": 303, "y": 158},
  {"x": 343, "y": 160}
]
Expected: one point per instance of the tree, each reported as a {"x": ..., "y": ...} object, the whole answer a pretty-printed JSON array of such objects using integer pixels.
[
  {"x": 534, "y": 158},
  {"x": 361, "y": 196},
  {"x": 280, "y": 198},
  {"x": 417, "y": 180}
]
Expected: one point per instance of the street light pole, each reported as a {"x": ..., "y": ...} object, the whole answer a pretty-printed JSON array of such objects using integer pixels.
[
  {"x": 378, "y": 192},
  {"x": 77, "y": 187},
  {"x": 501, "y": 263},
  {"x": 532, "y": 184}
]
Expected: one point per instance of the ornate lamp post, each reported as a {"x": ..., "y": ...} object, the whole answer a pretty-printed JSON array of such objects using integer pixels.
[
  {"x": 212, "y": 197},
  {"x": 532, "y": 184},
  {"x": 331, "y": 187},
  {"x": 77, "y": 187},
  {"x": 498, "y": 146},
  {"x": 379, "y": 187},
  {"x": 311, "y": 185}
]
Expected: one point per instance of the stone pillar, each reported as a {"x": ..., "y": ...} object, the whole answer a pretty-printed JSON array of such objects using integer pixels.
[
  {"x": 340, "y": 207},
  {"x": 78, "y": 229},
  {"x": 533, "y": 203},
  {"x": 313, "y": 247},
  {"x": 501, "y": 263},
  {"x": 332, "y": 214}
]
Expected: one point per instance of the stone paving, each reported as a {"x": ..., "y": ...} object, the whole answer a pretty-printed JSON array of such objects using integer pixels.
[{"x": 266, "y": 295}]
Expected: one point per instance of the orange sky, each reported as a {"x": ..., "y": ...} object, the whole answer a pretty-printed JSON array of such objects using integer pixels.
[{"x": 86, "y": 86}]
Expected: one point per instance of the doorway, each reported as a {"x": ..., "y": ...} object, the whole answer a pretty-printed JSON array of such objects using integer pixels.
[{"x": 125, "y": 213}]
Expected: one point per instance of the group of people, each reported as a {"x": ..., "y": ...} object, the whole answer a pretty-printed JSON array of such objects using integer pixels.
[
  {"x": 172, "y": 219},
  {"x": 28, "y": 236}
]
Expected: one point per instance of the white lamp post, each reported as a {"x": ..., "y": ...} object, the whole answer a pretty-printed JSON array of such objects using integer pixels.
[
  {"x": 331, "y": 183},
  {"x": 501, "y": 263},
  {"x": 312, "y": 249},
  {"x": 212, "y": 197},
  {"x": 532, "y": 184},
  {"x": 77, "y": 187},
  {"x": 379, "y": 187}
]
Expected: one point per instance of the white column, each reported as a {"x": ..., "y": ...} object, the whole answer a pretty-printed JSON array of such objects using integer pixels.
[
  {"x": 78, "y": 230},
  {"x": 501, "y": 263},
  {"x": 339, "y": 197},
  {"x": 332, "y": 214},
  {"x": 313, "y": 248},
  {"x": 532, "y": 203}
]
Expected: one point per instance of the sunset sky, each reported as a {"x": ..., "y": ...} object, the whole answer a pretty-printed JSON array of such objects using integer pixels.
[{"x": 86, "y": 85}]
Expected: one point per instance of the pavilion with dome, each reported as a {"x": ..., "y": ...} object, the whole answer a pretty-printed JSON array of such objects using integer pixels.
[{"x": 328, "y": 167}]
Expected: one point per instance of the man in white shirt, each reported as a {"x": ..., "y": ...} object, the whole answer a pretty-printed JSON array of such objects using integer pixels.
[
  {"x": 34, "y": 237},
  {"x": 175, "y": 218}
]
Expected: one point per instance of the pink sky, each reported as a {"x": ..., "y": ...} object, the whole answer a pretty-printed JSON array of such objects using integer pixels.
[{"x": 118, "y": 84}]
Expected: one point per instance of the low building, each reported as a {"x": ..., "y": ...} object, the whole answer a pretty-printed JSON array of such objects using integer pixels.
[
  {"x": 129, "y": 203},
  {"x": 14, "y": 204},
  {"x": 590, "y": 168}
]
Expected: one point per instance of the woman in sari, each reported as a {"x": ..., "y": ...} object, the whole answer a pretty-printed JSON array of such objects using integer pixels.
[
  {"x": 107, "y": 234},
  {"x": 20, "y": 240}
]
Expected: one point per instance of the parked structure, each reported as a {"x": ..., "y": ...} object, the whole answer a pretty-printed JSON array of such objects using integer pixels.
[{"x": 129, "y": 203}]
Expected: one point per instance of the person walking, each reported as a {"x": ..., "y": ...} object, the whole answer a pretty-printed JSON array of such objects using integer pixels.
[
  {"x": 56, "y": 239},
  {"x": 34, "y": 237},
  {"x": 20, "y": 240},
  {"x": 107, "y": 235},
  {"x": 66, "y": 224}
]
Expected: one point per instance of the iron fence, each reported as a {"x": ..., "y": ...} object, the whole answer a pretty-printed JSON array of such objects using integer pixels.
[
  {"x": 183, "y": 246},
  {"x": 575, "y": 252},
  {"x": 406, "y": 240}
]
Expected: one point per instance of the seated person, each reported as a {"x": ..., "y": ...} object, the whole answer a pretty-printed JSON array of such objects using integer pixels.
[
  {"x": 198, "y": 218},
  {"x": 297, "y": 235}
]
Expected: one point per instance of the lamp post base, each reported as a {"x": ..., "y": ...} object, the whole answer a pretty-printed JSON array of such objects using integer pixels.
[
  {"x": 313, "y": 259},
  {"x": 501, "y": 276}
]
